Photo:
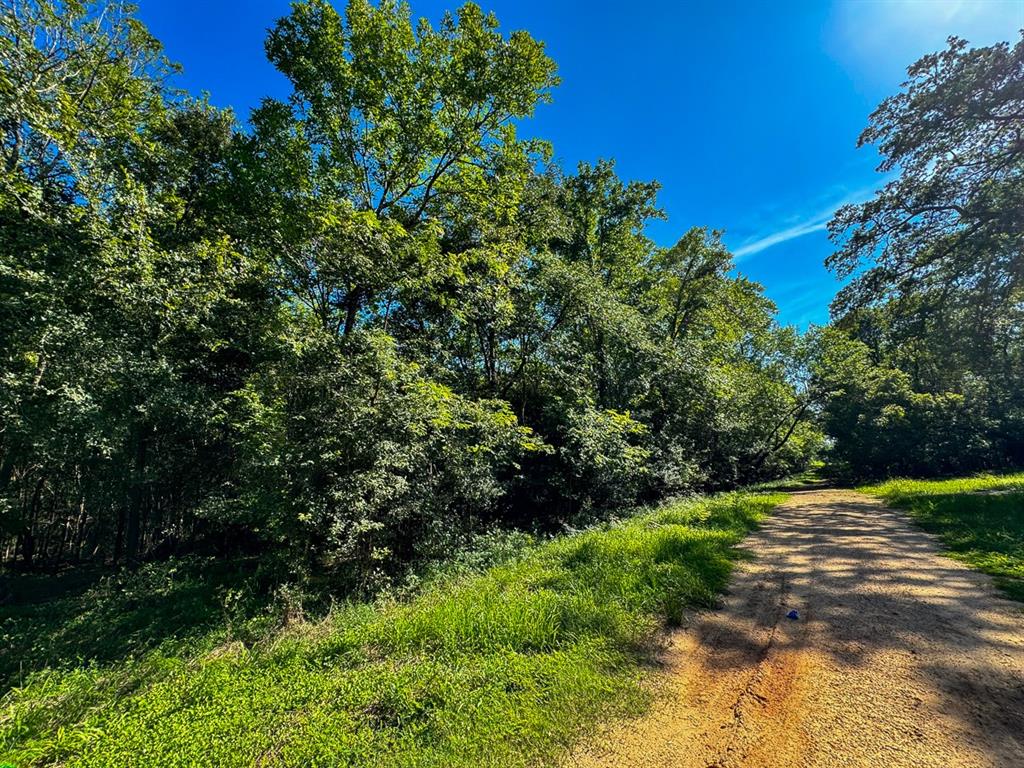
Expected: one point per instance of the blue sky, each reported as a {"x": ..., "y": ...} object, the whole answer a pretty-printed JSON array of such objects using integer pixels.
[{"x": 747, "y": 112}]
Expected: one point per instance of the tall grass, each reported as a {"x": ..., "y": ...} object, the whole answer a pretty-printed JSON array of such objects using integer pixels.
[
  {"x": 503, "y": 667},
  {"x": 979, "y": 520}
]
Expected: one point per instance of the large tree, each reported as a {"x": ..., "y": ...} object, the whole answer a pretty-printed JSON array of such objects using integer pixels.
[{"x": 394, "y": 130}]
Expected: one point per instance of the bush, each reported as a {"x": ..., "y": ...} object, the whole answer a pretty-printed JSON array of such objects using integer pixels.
[
  {"x": 357, "y": 462},
  {"x": 606, "y": 461}
]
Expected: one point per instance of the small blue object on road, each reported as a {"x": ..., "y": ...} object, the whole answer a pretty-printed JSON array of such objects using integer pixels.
[{"x": 794, "y": 615}]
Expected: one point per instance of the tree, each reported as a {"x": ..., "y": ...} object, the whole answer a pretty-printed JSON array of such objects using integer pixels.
[
  {"x": 881, "y": 426},
  {"x": 953, "y": 219},
  {"x": 362, "y": 327},
  {"x": 129, "y": 310},
  {"x": 388, "y": 126},
  {"x": 937, "y": 256}
]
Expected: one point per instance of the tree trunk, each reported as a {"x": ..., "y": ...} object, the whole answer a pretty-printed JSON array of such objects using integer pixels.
[
  {"x": 136, "y": 497},
  {"x": 28, "y": 539},
  {"x": 119, "y": 535},
  {"x": 352, "y": 301}
]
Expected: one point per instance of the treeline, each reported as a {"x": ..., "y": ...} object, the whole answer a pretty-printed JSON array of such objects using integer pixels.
[
  {"x": 367, "y": 322},
  {"x": 922, "y": 372}
]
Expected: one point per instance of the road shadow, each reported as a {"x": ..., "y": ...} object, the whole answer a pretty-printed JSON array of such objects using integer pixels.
[{"x": 871, "y": 587}]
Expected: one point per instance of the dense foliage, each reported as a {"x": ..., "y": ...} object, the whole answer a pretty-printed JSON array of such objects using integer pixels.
[
  {"x": 369, "y": 321},
  {"x": 924, "y": 370}
]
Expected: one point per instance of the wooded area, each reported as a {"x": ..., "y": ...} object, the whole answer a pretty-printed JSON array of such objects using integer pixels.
[{"x": 371, "y": 320}]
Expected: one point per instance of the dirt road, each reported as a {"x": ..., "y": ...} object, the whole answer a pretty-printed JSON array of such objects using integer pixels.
[{"x": 900, "y": 657}]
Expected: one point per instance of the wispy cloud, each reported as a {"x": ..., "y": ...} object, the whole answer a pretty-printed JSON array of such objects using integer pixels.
[{"x": 816, "y": 222}]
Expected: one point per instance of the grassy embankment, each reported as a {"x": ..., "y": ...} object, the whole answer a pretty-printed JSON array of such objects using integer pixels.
[
  {"x": 502, "y": 667},
  {"x": 980, "y": 520}
]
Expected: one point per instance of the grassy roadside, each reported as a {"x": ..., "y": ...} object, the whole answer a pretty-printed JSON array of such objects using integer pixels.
[
  {"x": 504, "y": 667},
  {"x": 980, "y": 520}
]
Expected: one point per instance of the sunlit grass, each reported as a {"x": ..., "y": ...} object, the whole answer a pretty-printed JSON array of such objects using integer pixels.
[
  {"x": 980, "y": 520},
  {"x": 809, "y": 478},
  {"x": 499, "y": 668}
]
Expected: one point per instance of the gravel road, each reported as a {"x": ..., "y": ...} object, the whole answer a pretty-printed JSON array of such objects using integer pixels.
[{"x": 900, "y": 657}]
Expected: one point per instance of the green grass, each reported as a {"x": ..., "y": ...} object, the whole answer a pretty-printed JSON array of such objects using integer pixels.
[
  {"x": 504, "y": 667},
  {"x": 809, "y": 478},
  {"x": 88, "y": 615},
  {"x": 980, "y": 520}
]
